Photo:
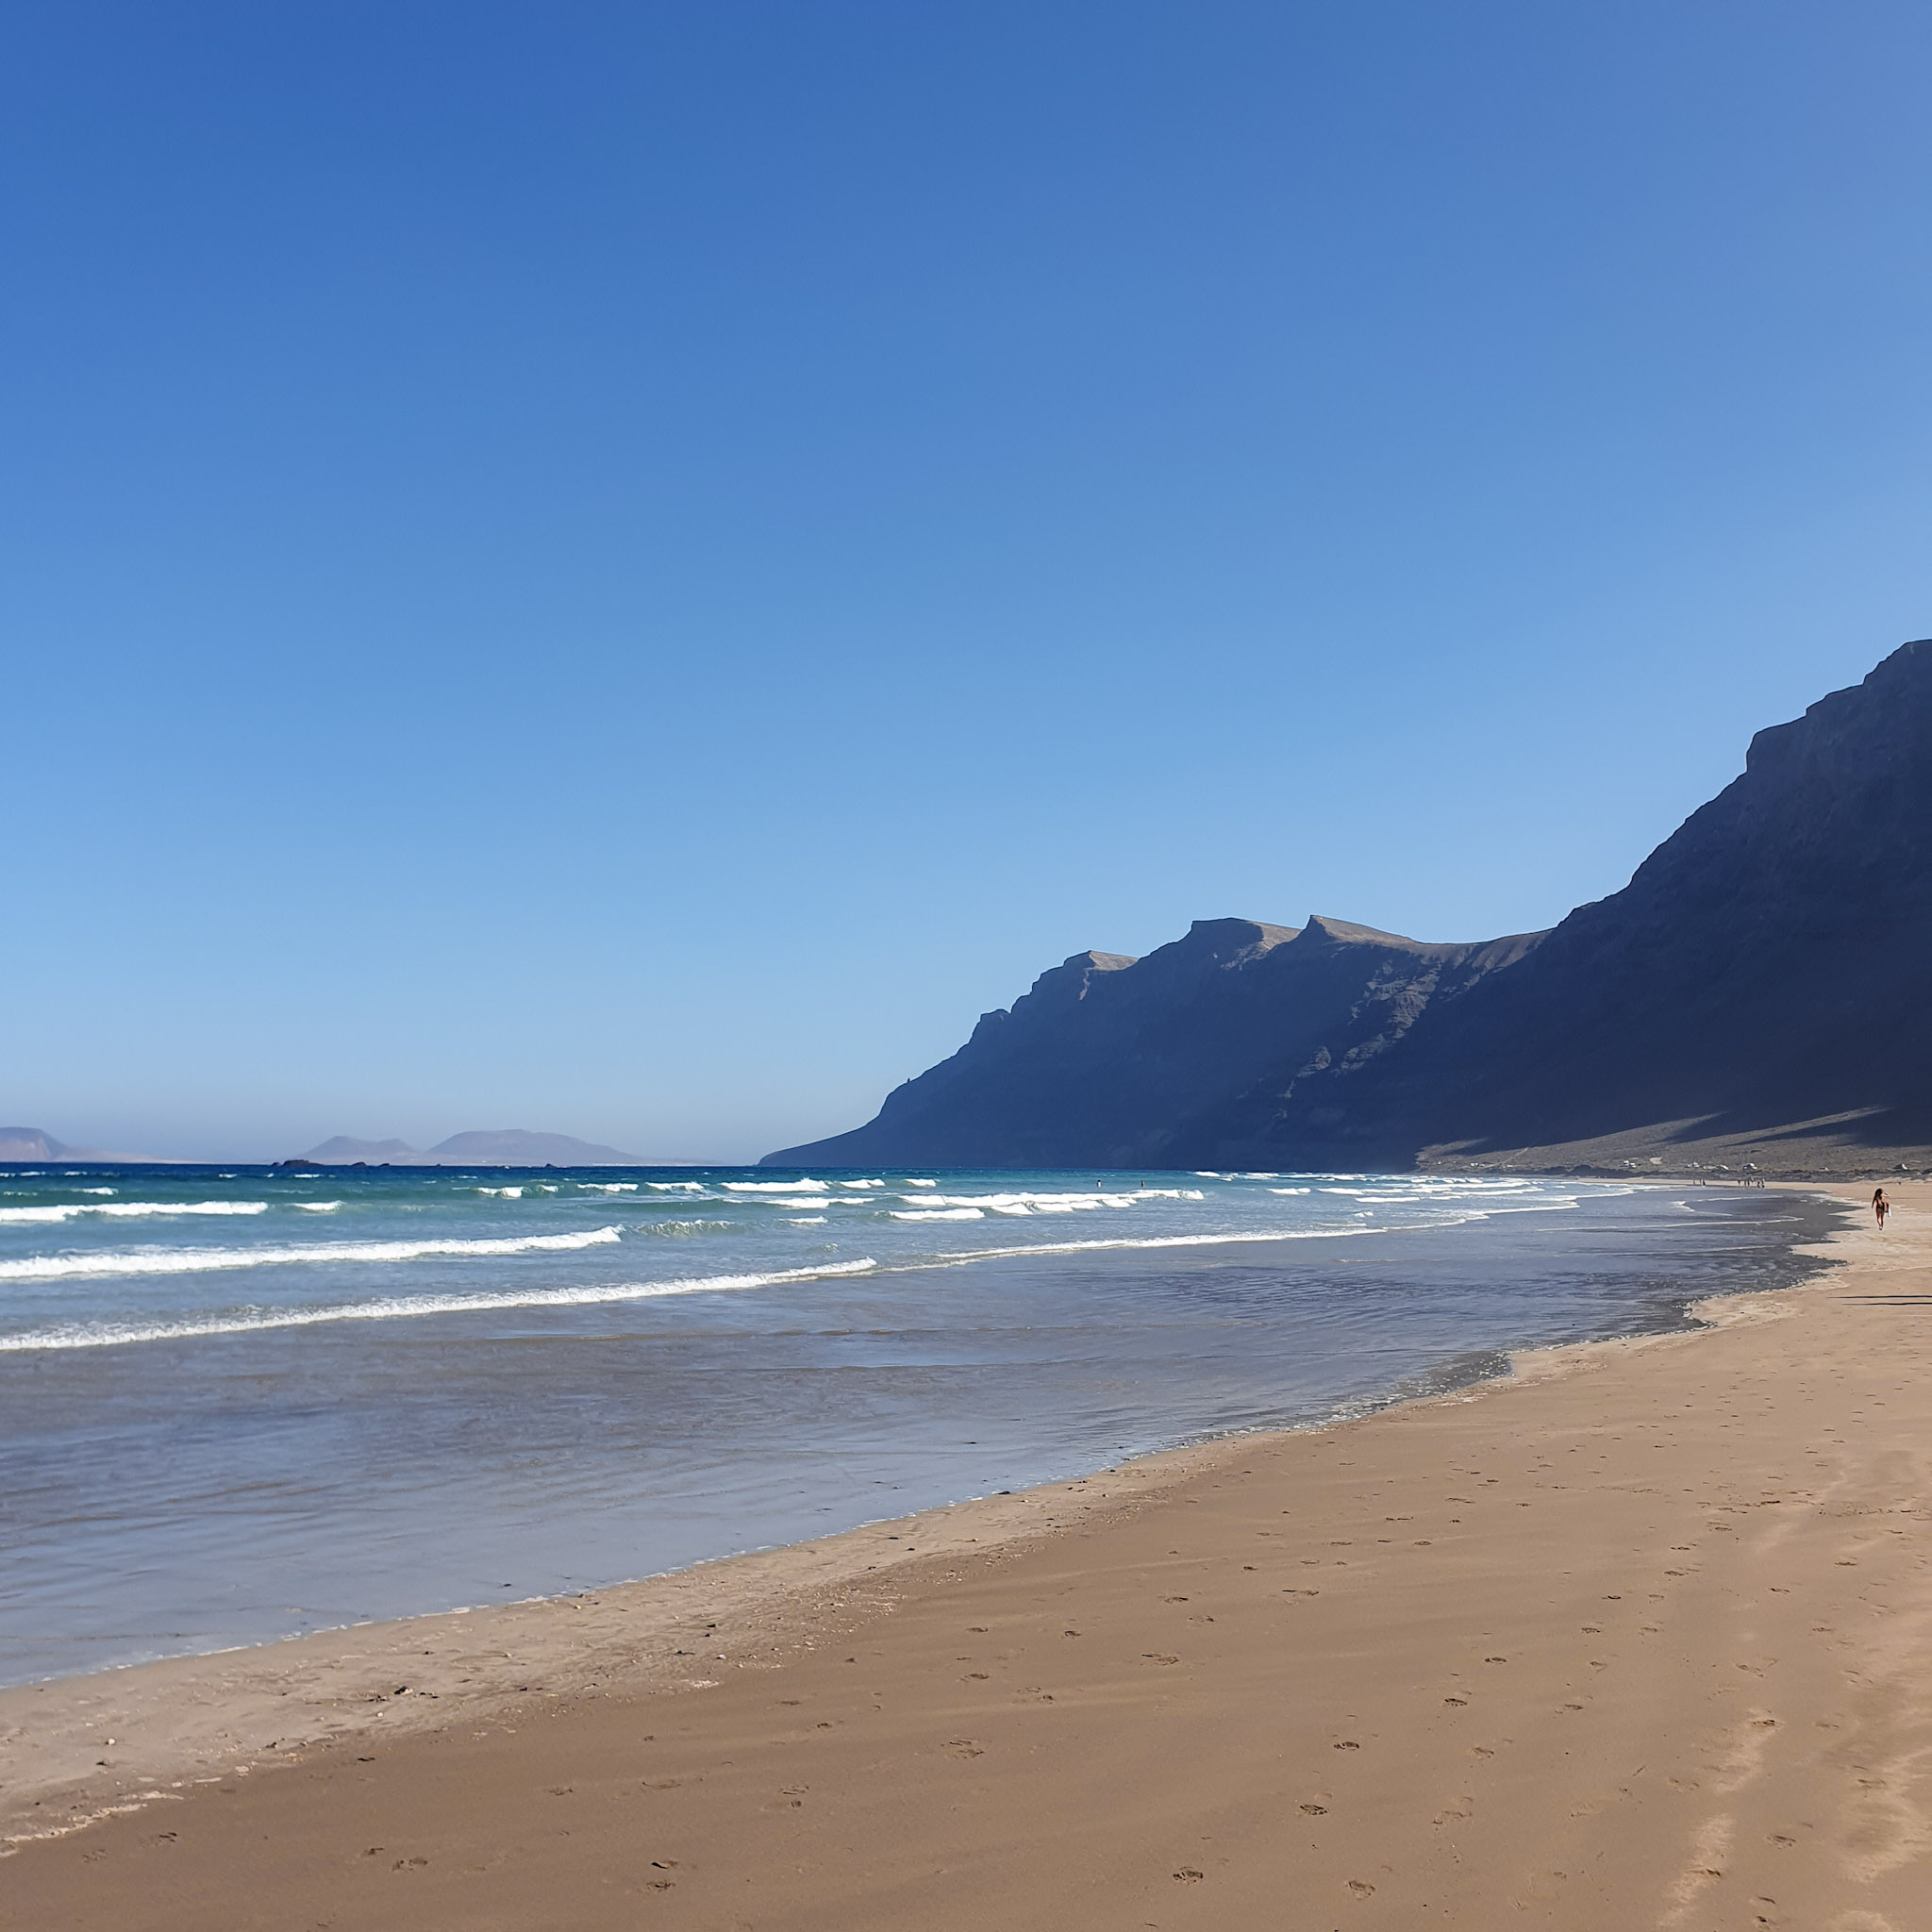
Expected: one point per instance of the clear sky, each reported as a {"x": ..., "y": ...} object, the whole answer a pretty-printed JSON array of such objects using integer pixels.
[{"x": 630, "y": 568}]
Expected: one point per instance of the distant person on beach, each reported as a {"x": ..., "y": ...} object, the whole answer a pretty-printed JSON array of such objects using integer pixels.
[{"x": 1881, "y": 1207}]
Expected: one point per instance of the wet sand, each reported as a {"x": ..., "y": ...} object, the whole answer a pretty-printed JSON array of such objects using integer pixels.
[{"x": 1642, "y": 1636}]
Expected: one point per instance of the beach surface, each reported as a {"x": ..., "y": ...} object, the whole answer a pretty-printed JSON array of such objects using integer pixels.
[{"x": 1639, "y": 1637}]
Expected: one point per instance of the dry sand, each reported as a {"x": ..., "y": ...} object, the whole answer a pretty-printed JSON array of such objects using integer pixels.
[{"x": 1642, "y": 1636}]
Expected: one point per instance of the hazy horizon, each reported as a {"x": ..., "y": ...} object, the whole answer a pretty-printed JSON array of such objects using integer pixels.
[{"x": 635, "y": 570}]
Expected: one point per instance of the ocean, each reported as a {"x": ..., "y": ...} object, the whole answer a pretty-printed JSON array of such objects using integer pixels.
[{"x": 239, "y": 1404}]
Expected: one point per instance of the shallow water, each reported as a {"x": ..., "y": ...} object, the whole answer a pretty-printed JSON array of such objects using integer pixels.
[{"x": 238, "y": 1405}]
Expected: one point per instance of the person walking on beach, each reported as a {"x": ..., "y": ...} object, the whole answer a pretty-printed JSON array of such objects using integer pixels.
[{"x": 1881, "y": 1208}]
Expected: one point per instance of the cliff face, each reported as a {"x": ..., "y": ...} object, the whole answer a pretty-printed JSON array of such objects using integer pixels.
[
  {"x": 1117, "y": 1063},
  {"x": 1758, "y": 987},
  {"x": 1763, "y": 976}
]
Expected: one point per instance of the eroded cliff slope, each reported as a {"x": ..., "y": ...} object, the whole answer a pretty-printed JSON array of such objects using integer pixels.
[{"x": 1758, "y": 990}]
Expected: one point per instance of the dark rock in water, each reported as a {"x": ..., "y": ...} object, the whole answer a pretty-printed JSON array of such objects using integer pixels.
[
  {"x": 1753, "y": 997},
  {"x": 298, "y": 1165}
]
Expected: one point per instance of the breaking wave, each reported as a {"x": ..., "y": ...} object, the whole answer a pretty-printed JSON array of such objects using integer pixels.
[
  {"x": 131, "y": 1210},
  {"x": 403, "y": 1307},
  {"x": 200, "y": 1261}
]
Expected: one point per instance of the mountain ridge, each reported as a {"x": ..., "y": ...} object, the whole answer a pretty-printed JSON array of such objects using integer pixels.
[{"x": 1752, "y": 991}]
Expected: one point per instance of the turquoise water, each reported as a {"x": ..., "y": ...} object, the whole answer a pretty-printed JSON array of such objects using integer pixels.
[{"x": 237, "y": 1404}]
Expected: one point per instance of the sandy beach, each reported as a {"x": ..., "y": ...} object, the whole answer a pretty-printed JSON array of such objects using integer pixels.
[{"x": 1639, "y": 1637}]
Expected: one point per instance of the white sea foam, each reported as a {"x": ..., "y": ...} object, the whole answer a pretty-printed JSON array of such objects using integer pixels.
[
  {"x": 398, "y": 1308},
  {"x": 318, "y": 1206},
  {"x": 679, "y": 1187},
  {"x": 862, "y": 1184},
  {"x": 507, "y": 1193},
  {"x": 609, "y": 1186},
  {"x": 810, "y": 1221},
  {"x": 804, "y": 1187},
  {"x": 203, "y": 1260},
  {"x": 938, "y": 1215},
  {"x": 1058, "y": 1203},
  {"x": 180, "y": 1207},
  {"x": 1291, "y": 1191},
  {"x": 922, "y": 1184},
  {"x": 131, "y": 1210},
  {"x": 1228, "y": 1238}
]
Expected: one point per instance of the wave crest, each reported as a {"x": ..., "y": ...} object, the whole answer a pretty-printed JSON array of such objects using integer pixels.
[{"x": 205, "y": 1260}]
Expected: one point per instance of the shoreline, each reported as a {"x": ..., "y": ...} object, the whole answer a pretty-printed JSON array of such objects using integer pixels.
[
  {"x": 177, "y": 1723},
  {"x": 1637, "y": 1636}
]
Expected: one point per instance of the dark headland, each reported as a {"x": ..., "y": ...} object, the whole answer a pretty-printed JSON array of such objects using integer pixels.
[{"x": 1754, "y": 997}]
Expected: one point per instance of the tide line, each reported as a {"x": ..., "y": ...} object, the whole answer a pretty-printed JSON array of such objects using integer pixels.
[
  {"x": 201, "y": 1260},
  {"x": 404, "y": 1307}
]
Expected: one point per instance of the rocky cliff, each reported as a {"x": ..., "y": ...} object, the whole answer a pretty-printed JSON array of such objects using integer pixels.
[
  {"x": 1116, "y": 1062},
  {"x": 1760, "y": 986},
  {"x": 1755, "y": 991}
]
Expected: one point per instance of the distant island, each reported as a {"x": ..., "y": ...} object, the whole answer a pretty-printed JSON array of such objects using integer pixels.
[
  {"x": 36, "y": 1143},
  {"x": 492, "y": 1147},
  {"x": 1753, "y": 999}
]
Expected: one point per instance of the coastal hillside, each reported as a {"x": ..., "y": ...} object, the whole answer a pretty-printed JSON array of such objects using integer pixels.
[
  {"x": 1116, "y": 1062},
  {"x": 1756, "y": 992},
  {"x": 1753, "y": 996}
]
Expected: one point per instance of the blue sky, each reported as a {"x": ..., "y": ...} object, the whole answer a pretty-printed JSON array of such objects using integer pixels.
[{"x": 630, "y": 569}]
